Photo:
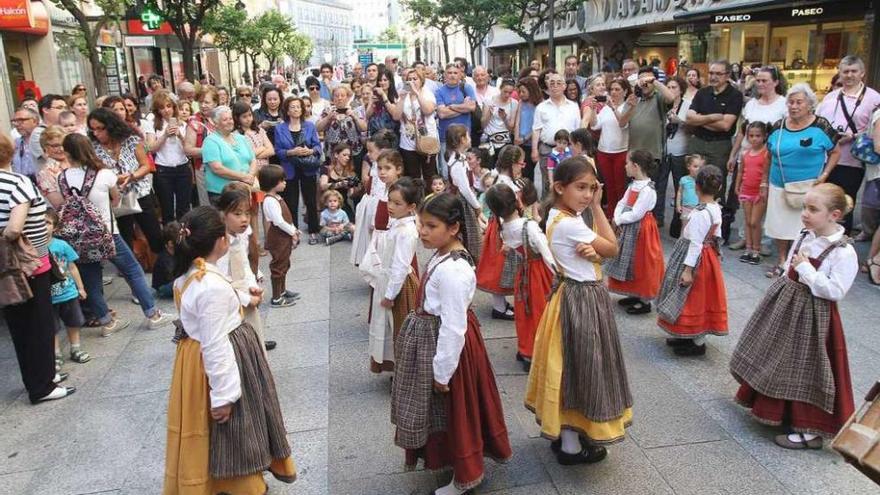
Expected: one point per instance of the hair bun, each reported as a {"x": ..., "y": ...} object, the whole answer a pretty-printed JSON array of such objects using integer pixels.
[{"x": 850, "y": 204}]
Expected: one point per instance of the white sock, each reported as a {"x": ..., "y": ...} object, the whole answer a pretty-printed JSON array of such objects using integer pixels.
[
  {"x": 499, "y": 303},
  {"x": 449, "y": 489},
  {"x": 700, "y": 340},
  {"x": 796, "y": 437},
  {"x": 571, "y": 442}
]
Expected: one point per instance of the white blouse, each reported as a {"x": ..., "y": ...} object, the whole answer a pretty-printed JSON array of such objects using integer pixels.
[
  {"x": 238, "y": 243},
  {"x": 403, "y": 236},
  {"x": 274, "y": 215},
  {"x": 614, "y": 138},
  {"x": 209, "y": 310},
  {"x": 511, "y": 234},
  {"x": 458, "y": 175},
  {"x": 448, "y": 294},
  {"x": 644, "y": 203},
  {"x": 378, "y": 189},
  {"x": 697, "y": 228},
  {"x": 508, "y": 181},
  {"x": 567, "y": 234},
  {"x": 170, "y": 154},
  {"x": 833, "y": 279}
]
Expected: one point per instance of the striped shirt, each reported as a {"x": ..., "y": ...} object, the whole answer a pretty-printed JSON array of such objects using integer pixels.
[{"x": 16, "y": 189}]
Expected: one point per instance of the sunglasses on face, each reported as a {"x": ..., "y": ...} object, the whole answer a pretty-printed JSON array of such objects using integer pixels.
[
  {"x": 314, "y": 88},
  {"x": 244, "y": 95}
]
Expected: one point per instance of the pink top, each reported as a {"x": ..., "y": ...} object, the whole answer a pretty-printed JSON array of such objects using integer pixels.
[
  {"x": 753, "y": 171},
  {"x": 860, "y": 112}
]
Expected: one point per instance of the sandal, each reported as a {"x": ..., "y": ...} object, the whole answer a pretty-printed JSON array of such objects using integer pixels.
[
  {"x": 80, "y": 356},
  {"x": 775, "y": 272},
  {"x": 871, "y": 265}
]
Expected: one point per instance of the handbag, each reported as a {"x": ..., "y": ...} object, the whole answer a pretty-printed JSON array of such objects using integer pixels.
[
  {"x": 425, "y": 144},
  {"x": 128, "y": 205},
  {"x": 794, "y": 192},
  {"x": 309, "y": 165},
  {"x": 863, "y": 149}
]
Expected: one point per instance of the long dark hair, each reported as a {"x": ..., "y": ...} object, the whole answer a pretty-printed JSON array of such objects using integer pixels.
[
  {"x": 81, "y": 151},
  {"x": 117, "y": 129},
  {"x": 568, "y": 171},
  {"x": 392, "y": 90},
  {"x": 501, "y": 200},
  {"x": 199, "y": 231},
  {"x": 238, "y": 109},
  {"x": 264, "y": 109},
  {"x": 449, "y": 209},
  {"x": 577, "y": 86}
]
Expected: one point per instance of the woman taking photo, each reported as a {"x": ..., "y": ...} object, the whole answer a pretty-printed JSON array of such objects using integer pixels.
[
  {"x": 595, "y": 88},
  {"x": 198, "y": 127},
  {"x": 174, "y": 177},
  {"x": 341, "y": 125},
  {"x": 530, "y": 96},
  {"x": 499, "y": 118},
  {"x": 228, "y": 156},
  {"x": 676, "y": 143},
  {"x": 269, "y": 114},
  {"x": 316, "y": 103},
  {"x": 340, "y": 176},
  {"x": 794, "y": 164},
  {"x": 32, "y": 323},
  {"x": 416, "y": 109},
  {"x": 123, "y": 152},
  {"x": 613, "y": 123},
  {"x": 384, "y": 113},
  {"x": 299, "y": 149}
]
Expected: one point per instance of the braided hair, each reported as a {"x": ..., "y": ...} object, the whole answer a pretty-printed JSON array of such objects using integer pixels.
[
  {"x": 449, "y": 209},
  {"x": 199, "y": 231}
]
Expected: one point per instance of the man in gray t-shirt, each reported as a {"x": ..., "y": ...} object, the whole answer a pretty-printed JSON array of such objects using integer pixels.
[{"x": 647, "y": 129}]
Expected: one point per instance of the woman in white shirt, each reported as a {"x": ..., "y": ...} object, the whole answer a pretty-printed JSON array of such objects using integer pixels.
[
  {"x": 174, "y": 175},
  {"x": 676, "y": 143},
  {"x": 499, "y": 117},
  {"x": 416, "y": 107},
  {"x": 613, "y": 122},
  {"x": 442, "y": 364},
  {"x": 219, "y": 357}
]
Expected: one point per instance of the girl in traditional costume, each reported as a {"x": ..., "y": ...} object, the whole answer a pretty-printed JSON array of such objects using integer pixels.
[
  {"x": 534, "y": 276},
  {"x": 791, "y": 360},
  {"x": 444, "y": 400},
  {"x": 224, "y": 422},
  {"x": 365, "y": 213},
  {"x": 638, "y": 270},
  {"x": 578, "y": 383},
  {"x": 461, "y": 184},
  {"x": 693, "y": 300},
  {"x": 398, "y": 280},
  {"x": 495, "y": 268}
]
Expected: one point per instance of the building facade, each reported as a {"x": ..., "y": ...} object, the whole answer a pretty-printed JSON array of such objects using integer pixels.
[
  {"x": 804, "y": 38},
  {"x": 328, "y": 23}
]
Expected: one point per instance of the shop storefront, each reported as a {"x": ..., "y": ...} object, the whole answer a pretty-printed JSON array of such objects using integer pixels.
[
  {"x": 805, "y": 40},
  {"x": 24, "y": 30}
]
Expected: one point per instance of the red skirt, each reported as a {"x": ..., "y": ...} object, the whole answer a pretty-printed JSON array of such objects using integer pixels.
[
  {"x": 803, "y": 417},
  {"x": 491, "y": 261},
  {"x": 648, "y": 268},
  {"x": 381, "y": 219},
  {"x": 705, "y": 311},
  {"x": 475, "y": 418},
  {"x": 540, "y": 286}
]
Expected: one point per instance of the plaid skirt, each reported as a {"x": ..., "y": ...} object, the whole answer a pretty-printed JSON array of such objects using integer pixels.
[
  {"x": 255, "y": 433},
  {"x": 416, "y": 411},
  {"x": 594, "y": 379},
  {"x": 782, "y": 352},
  {"x": 621, "y": 266},
  {"x": 645, "y": 268},
  {"x": 473, "y": 239},
  {"x": 673, "y": 296}
]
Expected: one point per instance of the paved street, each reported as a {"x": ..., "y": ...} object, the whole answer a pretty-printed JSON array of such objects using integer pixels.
[{"x": 688, "y": 436}]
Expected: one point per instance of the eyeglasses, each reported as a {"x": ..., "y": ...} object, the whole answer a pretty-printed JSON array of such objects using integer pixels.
[
  {"x": 314, "y": 88},
  {"x": 18, "y": 121},
  {"x": 54, "y": 145},
  {"x": 716, "y": 73},
  {"x": 244, "y": 95},
  {"x": 555, "y": 83}
]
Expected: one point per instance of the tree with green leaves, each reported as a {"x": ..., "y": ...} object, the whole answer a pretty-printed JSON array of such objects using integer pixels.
[
  {"x": 299, "y": 48},
  {"x": 476, "y": 18},
  {"x": 112, "y": 12},
  {"x": 226, "y": 25},
  {"x": 389, "y": 35},
  {"x": 186, "y": 18},
  {"x": 525, "y": 17},
  {"x": 437, "y": 14},
  {"x": 278, "y": 33}
]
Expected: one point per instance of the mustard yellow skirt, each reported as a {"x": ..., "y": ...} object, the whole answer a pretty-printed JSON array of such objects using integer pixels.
[
  {"x": 544, "y": 396},
  {"x": 189, "y": 434}
]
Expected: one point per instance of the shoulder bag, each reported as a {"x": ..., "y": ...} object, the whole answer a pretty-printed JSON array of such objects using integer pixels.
[
  {"x": 308, "y": 165},
  {"x": 862, "y": 148},
  {"x": 794, "y": 191},
  {"x": 425, "y": 144}
]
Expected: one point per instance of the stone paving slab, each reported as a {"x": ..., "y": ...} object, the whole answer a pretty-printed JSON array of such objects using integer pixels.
[{"x": 687, "y": 437}]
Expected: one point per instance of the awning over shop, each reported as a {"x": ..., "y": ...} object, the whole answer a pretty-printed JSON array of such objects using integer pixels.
[
  {"x": 24, "y": 16},
  {"x": 758, "y": 9}
]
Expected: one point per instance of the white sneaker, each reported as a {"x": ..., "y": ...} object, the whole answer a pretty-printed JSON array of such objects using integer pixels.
[
  {"x": 158, "y": 320},
  {"x": 114, "y": 326}
]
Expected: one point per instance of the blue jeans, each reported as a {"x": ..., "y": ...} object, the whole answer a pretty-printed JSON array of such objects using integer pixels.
[{"x": 128, "y": 267}]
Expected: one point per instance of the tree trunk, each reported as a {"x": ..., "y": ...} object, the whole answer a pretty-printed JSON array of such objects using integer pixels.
[
  {"x": 530, "y": 49},
  {"x": 98, "y": 73},
  {"x": 229, "y": 70},
  {"x": 187, "y": 44},
  {"x": 445, "y": 45}
]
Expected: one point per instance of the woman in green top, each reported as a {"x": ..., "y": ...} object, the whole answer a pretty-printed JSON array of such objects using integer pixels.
[{"x": 228, "y": 155}]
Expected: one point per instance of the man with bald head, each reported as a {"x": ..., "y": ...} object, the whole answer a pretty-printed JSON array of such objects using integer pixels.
[
  {"x": 485, "y": 91},
  {"x": 281, "y": 83},
  {"x": 357, "y": 71}
]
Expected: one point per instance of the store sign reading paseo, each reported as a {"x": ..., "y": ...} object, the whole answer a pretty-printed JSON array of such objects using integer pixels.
[{"x": 624, "y": 9}]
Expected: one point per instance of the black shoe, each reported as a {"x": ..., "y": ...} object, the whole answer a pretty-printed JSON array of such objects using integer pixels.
[
  {"x": 746, "y": 257},
  {"x": 677, "y": 342},
  {"x": 333, "y": 239},
  {"x": 628, "y": 301},
  {"x": 281, "y": 302},
  {"x": 589, "y": 455},
  {"x": 639, "y": 308},
  {"x": 270, "y": 344},
  {"x": 755, "y": 259},
  {"x": 660, "y": 223},
  {"x": 556, "y": 445},
  {"x": 502, "y": 315},
  {"x": 690, "y": 350},
  {"x": 526, "y": 362},
  {"x": 60, "y": 377}
]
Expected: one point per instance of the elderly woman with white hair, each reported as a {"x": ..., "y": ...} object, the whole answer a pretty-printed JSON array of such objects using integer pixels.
[
  {"x": 803, "y": 151},
  {"x": 228, "y": 156}
]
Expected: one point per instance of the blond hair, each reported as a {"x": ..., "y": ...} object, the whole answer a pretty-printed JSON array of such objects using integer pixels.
[
  {"x": 835, "y": 197},
  {"x": 332, "y": 193}
]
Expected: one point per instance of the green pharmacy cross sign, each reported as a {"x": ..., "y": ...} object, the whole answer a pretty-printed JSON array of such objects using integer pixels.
[{"x": 151, "y": 19}]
